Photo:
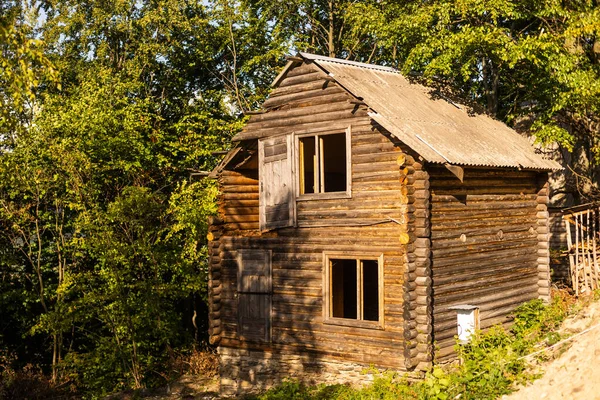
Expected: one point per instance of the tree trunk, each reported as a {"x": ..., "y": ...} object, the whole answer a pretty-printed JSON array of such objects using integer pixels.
[
  {"x": 490, "y": 85},
  {"x": 330, "y": 33},
  {"x": 55, "y": 359}
]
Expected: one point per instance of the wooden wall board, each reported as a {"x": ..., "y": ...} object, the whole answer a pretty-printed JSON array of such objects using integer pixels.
[{"x": 484, "y": 246}]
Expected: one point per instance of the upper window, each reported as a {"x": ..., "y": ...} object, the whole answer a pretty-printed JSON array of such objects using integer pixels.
[
  {"x": 323, "y": 164},
  {"x": 354, "y": 290}
]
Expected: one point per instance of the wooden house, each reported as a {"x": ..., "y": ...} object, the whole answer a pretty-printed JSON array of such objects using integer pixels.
[{"x": 356, "y": 210}]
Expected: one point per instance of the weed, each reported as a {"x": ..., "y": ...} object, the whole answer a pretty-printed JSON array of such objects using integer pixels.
[
  {"x": 201, "y": 361},
  {"x": 28, "y": 382},
  {"x": 295, "y": 390},
  {"x": 492, "y": 363}
]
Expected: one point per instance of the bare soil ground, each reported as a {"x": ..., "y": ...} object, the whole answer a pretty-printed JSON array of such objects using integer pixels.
[
  {"x": 188, "y": 387},
  {"x": 573, "y": 368}
]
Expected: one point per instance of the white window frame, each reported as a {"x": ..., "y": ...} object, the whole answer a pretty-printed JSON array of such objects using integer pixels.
[
  {"x": 327, "y": 303},
  {"x": 324, "y": 195}
]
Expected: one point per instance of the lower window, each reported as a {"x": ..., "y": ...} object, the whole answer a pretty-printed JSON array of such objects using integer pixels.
[{"x": 354, "y": 290}]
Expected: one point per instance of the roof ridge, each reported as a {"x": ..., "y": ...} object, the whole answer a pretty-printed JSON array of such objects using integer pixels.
[{"x": 316, "y": 57}]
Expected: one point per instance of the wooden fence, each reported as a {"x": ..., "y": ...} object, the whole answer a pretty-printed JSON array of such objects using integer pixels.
[{"x": 582, "y": 226}]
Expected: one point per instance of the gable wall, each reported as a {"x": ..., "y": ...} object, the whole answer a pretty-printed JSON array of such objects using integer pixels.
[{"x": 359, "y": 224}]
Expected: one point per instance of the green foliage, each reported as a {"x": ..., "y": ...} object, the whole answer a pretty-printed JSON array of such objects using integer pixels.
[
  {"x": 107, "y": 107},
  {"x": 103, "y": 233},
  {"x": 533, "y": 64},
  {"x": 491, "y": 364},
  {"x": 534, "y": 319},
  {"x": 387, "y": 386},
  {"x": 23, "y": 68},
  {"x": 294, "y": 390}
]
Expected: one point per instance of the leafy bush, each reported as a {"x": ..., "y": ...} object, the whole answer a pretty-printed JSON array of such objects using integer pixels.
[
  {"x": 535, "y": 319},
  {"x": 295, "y": 390},
  {"x": 28, "y": 382},
  {"x": 491, "y": 364}
]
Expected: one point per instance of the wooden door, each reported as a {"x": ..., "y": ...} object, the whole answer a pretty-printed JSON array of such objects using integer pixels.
[
  {"x": 276, "y": 200},
  {"x": 254, "y": 295}
]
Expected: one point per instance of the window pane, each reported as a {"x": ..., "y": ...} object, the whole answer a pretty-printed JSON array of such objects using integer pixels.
[
  {"x": 343, "y": 289},
  {"x": 334, "y": 162},
  {"x": 308, "y": 163},
  {"x": 370, "y": 290}
]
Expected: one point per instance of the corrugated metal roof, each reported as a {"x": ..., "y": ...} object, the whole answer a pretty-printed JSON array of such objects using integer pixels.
[{"x": 437, "y": 129}]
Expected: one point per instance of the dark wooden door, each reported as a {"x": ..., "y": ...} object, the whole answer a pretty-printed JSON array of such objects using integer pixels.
[{"x": 254, "y": 295}]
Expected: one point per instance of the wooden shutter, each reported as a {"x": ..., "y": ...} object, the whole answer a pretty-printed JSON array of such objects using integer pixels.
[
  {"x": 254, "y": 295},
  {"x": 276, "y": 199}
]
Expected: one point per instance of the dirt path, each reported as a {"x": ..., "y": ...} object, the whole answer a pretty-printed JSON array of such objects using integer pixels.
[
  {"x": 185, "y": 388},
  {"x": 573, "y": 373}
]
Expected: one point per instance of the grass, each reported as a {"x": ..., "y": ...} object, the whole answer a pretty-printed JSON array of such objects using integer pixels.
[{"x": 492, "y": 364}]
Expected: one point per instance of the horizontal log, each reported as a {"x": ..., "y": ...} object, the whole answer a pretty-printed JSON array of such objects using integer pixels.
[
  {"x": 309, "y": 109},
  {"x": 302, "y": 99},
  {"x": 468, "y": 214},
  {"x": 240, "y": 226},
  {"x": 240, "y": 211},
  {"x": 451, "y": 201},
  {"x": 239, "y": 196},
  {"x": 376, "y": 149},
  {"x": 440, "y": 172},
  {"x": 504, "y": 224},
  {"x": 489, "y": 241},
  {"x": 520, "y": 183},
  {"x": 318, "y": 84},
  {"x": 366, "y": 158},
  {"x": 241, "y": 218},
  {"x": 542, "y": 200},
  {"x": 455, "y": 247},
  {"x": 474, "y": 190},
  {"x": 303, "y": 78},
  {"x": 329, "y": 123},
  {"x": 477, "y": 260},
  {"x": 480, "y": 280},
  {"x": 234, "y": 189},
  {"x": 502, "y": 308},
  {"x": 479, "y": 296},
  {"x": 239, "y": 180},
  {"x": 472, "y": 233},
  {"x": 327, "y": 115}
]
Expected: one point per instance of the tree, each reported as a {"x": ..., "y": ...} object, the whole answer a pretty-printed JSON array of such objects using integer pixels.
[
  {"x": 532, "y": 64},
  {"x": 23, "y": 68},
  {"x": 104, "y": 231},
  {"x": 318, "y": 26}
]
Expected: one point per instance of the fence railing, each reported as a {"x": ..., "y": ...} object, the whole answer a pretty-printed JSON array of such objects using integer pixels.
[{"x": 582, "y": 224}]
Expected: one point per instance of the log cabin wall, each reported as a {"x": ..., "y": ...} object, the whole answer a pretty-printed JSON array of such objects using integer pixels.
[
  {"x": 372, "y": 222},
  {"x": 559, "y": 261},
  {"x": 543, "y": 231},
  {"x": 417, "y": 292},
  {"x": 488, "y": 236}
]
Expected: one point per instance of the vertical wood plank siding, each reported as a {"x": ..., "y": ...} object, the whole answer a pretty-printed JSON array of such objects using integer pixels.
[
  {"x": 487, "y": 236},
  {"x": 369, "y": 222}
]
